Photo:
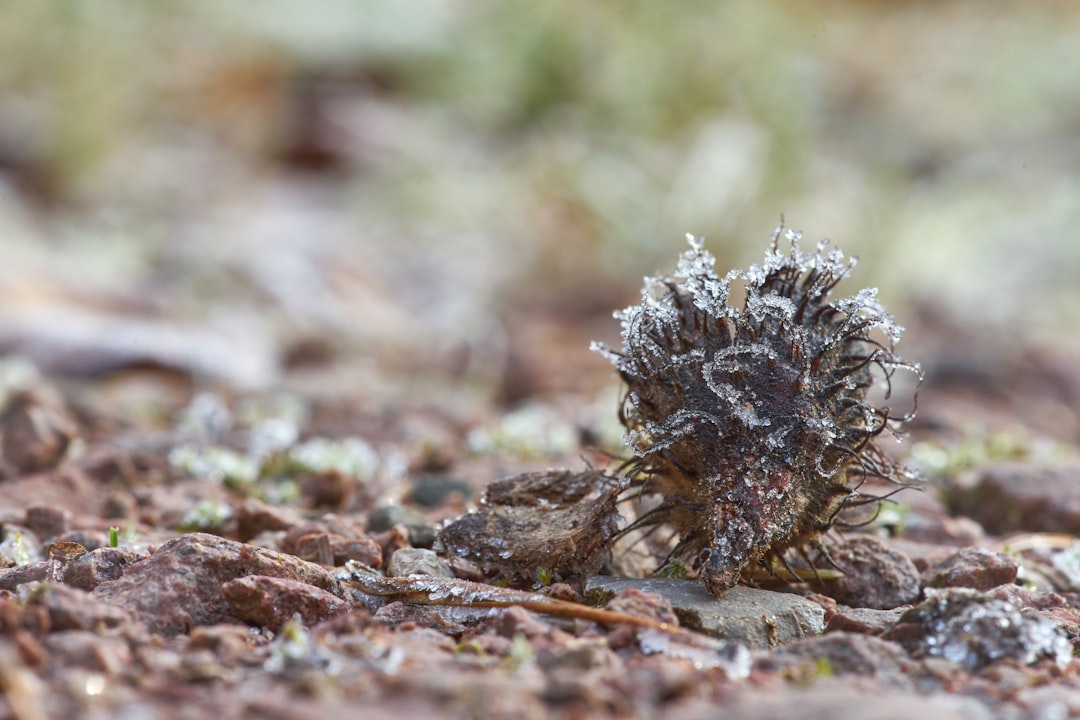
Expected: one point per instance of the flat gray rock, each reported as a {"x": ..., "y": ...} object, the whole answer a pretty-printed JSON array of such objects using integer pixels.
[{"x": 758, "y": 618}]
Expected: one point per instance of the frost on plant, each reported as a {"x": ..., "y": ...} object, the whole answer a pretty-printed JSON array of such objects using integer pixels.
[{"x": 753, "y": 423}]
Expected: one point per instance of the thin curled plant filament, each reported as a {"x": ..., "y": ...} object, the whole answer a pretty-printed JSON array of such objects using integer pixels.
[{"x": 754, "y": 425}]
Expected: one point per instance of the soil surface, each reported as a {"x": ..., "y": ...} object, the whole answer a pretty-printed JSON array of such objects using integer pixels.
[{"x": 247, "y": 558}]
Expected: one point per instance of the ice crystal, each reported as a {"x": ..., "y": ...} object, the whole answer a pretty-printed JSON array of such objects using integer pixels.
[
  {"x": 970, "y": 629},
  {"x": 753, "y": 423},
  {"x": 215, "y": 462},
  {"x": 351, "y": 456}
]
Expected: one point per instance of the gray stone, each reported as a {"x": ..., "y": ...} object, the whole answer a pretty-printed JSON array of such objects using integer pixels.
[
  {"x": 417, "y": 561},
  {"x": 758, "y": 618},
  {"x": 421, "y": 530}
]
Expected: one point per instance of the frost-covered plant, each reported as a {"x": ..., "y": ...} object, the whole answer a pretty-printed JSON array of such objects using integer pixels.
[{"x": 753, "y": 424}]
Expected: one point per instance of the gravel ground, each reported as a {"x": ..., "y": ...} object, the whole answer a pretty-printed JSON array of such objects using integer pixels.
[{"x": 253, "y": 565}]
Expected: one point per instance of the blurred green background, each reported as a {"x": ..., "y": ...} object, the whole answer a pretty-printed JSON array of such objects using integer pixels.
[{"x": 464, "y": 191}]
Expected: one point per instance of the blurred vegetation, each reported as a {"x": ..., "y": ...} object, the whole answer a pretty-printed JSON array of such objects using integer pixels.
[{"x": 361, "y": 166}]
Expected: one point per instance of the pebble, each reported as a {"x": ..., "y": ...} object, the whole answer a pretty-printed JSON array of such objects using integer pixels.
[
  {"x": 417, "y": 561},
  {"x": 844, "y": 653},
  {"x": 90, "y": 569},
  {"x": 332, "y": 540},
  {"x": 90, "y": 651},
  {"x": 255, "y": 516},
  {"x": 271, "y": 602},
  {"x": 972, "y": 629},
  {"x": 976, "y": 568},
  {"x": 48, "y": 521},
  {"x": 875, "y": 575},
  {"x": 865, "y": 621},
  {"x": 179, "y": 586},
  {"x": 73, "y": 609},
  {"x": 421, "y": 530},
  {"x": 433, "y": 490},
  {"x": 757, "y": 618},
  {"x": 1021, "y": 497}
]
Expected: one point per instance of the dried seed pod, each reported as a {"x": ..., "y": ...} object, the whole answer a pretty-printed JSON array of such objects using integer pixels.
[
  {"x": 754, "y": 424},
  {"x": 560, "y": 521}
]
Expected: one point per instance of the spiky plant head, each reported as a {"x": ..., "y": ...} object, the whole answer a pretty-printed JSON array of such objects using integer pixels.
[{"x": 754, "y": 423}]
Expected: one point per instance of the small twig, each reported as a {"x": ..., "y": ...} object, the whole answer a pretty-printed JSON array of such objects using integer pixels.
[{"x": 452, "y": 592}]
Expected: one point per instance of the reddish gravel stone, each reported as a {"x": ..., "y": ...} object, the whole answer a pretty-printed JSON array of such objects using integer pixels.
[
  {"x": 875, "y": 576},
  {"x": 330, "y": 489},
  {"x": 864, "y": 621},
  {"x": 230, "y": 644},
  {"x": 1013, "y": 497},
  {"x": 972, "y": 568},
  {"x": 35, "y": 430},
  {"x": 923, "y": 555},
  {"x": 87, "y": 650},
  {"x": 313, "y": 547},
  {"x": 254, "y": 517},
  {"x": 13, "y": 577},
  {"x": 942, "y": 530},
  {"x": 179, "y": 586},
  {"x": 1067, "y": 619},
  {"x": 17, "y": 616},
  {"x": 271, "y": 602},
  {"x": 827, "y": 604},
  {"x": 362, "y": 549},
  {"x": 1023, "y": 598},
  {"x": 847, "y": 654},
  {"x": 642, "y": 604},
  {"x": 333, "y": 540},
  {"x": 48, "y": 521},
  {"x": 73, "y": 609},
  {"x": 91, "y": 569}
]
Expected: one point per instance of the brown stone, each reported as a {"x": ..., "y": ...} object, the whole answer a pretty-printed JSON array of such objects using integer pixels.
[
  {"x": 1014, "y": 497},
  {"x": 36, "y": 431},
  {"x": 864, "y": 621},
  {"x": 973, "y": 568},
  {"x": 73, "y": 609},
  {"x": 271, "y": 602},
  {"x": 48, "y": 521},
  {"x": 874, "y": 575},
  {"x": 179, "y": 586},
  {"x": 88, "y": 571}
]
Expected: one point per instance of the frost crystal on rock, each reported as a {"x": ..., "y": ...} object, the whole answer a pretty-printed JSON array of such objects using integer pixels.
[
  {"x": 966, "y": 627},
  {"x": 753, "y": 423}
]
